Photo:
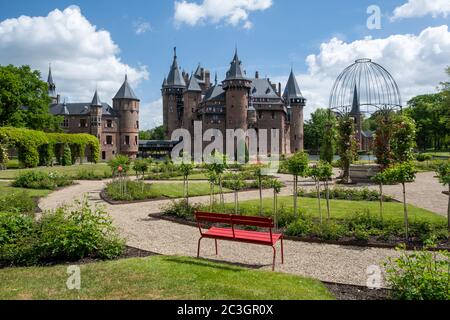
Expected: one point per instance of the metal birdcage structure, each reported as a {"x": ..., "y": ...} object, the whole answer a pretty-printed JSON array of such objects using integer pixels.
[{"x": 365, "y": 87}]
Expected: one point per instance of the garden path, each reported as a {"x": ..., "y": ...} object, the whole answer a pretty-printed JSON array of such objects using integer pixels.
[{"x": 331, "y": 263}]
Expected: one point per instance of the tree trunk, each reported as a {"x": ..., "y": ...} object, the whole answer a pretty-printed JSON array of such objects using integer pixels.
[
  {"x": 381, "y": 201},
  {"x": 260, "y": 197},
  {"x": 236, "y": 200},
  {"x": 295, "y": 197},
  {"x": 275, "y": 208},
  {"x": 211, "y": 196},
  {"x": 187, "y": 191},
  {"x": 448, "y": 208},
  {"x": 319, "y": 200},
  {"x": 328, "y": 200},
  {"x": 405, "y": 208}
]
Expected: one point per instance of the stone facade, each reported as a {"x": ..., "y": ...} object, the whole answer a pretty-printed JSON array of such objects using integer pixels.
[
  {"x": 117, "y": 127},
  {"x": 238, "y": 102}
]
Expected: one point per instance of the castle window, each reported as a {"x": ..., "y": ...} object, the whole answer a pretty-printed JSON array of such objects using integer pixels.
[
  {"x": 109, "y": 140},
  {"x": 137, "y": 124},
  {"x": 127, "y": 140},
  {"x": 103, "y": 155},
  {"x": 273, "y": 115},
  {"x": 260, "y": 115},
  {"x": 109, "y": 123},
  {"x": 83, "y": 123},
  {"x": 135, "y": 140},
  {"x": 65, "y": 123}
]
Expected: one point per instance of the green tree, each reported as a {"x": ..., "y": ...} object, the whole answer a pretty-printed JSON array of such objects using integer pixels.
[
  {"x": 217, "y": 163},
  {"x": 298, "y": 166},
  {"x": 383, "y": 136},
  {"x": 236, "y": 184},
  {"x": 119, "y": 164},
  {"x": 346, "y": 145},
  {"x": 153, "y": 134},
  {"x": 443, "y": 173},
  {"x": 328, "y": 147},
  {"x": 276, "y": 186},
  {"x": 402, "y": 173},
  {"x": 315, "y": 129},
  {"x": 24, "y": 100},
  {"x": 186, "y": 170},
  {"x": 403, "y": 139},
  {"x": 141, "y": 166},
  {"x": 381, "y": 179},
  {"x": 326, "y": 173},
  {"x": 67, "y": 156},
  {"x": 259, "y": 174}
]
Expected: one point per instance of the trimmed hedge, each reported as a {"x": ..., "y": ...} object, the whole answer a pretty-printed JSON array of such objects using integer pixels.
[{"x": 39, "y": 148}]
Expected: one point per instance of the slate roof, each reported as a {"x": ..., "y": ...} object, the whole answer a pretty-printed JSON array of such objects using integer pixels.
[
  {"x": 125, "y": 92},
  {"x": 292, "y": 90},
  {"x": 174, "y": 79},
  {"x": 79, "y": 109},
  {"x": 215, "y": 93},
  {"x": 356, "y": 110},
  {"x": 194, "y": 85},
  {"x": 235, "y": 72},
  {"x": 96, "y": 100},
  {"x": 262, "y": 88}
]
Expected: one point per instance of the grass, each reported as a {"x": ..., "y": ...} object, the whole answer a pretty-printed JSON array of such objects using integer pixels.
[
  {"x": 195, "y": 176},
  {"x": 158, "y": 278},
  {"x": 71, "y": 171},
  {"x": 175, "y": 190},
  {"x": 340, "y": 209},
  {"x": 5, "y": 186}
]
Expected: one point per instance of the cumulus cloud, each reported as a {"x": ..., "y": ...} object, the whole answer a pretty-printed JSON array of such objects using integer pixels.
[
  {"x": 232, "y": 12},
  {"x": 82, "y": 56},
  {"x": 420, "y": 8},
  {"x": 151, "y": 114},
  {"x": 417, "y": 63},
  {"x": 141, "y": 27}
]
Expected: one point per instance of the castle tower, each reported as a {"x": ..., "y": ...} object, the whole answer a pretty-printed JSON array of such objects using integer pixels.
[
  {"x": 294, "y": 99},
  {"x": 237, "y": 88},
  {"x": 356, "y": 114},
  {"x": 52, "y": 87},
  {"x": 172, "y": 93},
  {"x": 192, "y": 97},
  {"x": 96, "y": 115},
  {"x": 127, "y": 105}
]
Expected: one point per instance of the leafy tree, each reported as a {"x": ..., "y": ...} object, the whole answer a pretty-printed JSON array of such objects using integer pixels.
[
  {"x": 236, "y": 184},
  {"x": 298, "y": 166},
  {"x": 259, "y": 174},
  {"x": 119, "y": 164},
  {"x": 383, "y": 136},
  {"x": 276, "y": 185},
  {"x": 328, "y": 149},
  {"x": 153, "y": 134},
  {"x": 403, "y": 139},
  {"x": 381, "y": 179},
  {"x": 186, "y": 170},
  {"x": 346, "y": 145},
  {"x": 212, "y": 179},
  {"x": 141, "y": 166},
  {"x": 315, "y": 129},
  {"x": 326, "y": 173},
  {"x": 402, "y": 173},
  {"x": 218, "y": 165},
  {"x": 67, "y": 156},
  {"x": 443, "y": 173},
  {"x": 24, "y": 100}
]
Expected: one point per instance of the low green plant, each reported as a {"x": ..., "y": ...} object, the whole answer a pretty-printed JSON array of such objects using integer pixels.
[
  {"x": 420, "y": 275},
  {"x": 120, "y": 164},
  {"x": 141, "y": 166},
  {"x": 42, "y": 180},
  {"x": 181, "y": 209},
  {"x": 17, "y": 202},
  {"x": 86, "y": 174},
  {"x": 127, "y": 190}
]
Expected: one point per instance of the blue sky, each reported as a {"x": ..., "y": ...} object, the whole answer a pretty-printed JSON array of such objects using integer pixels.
[{"x": 283, "y": 34}]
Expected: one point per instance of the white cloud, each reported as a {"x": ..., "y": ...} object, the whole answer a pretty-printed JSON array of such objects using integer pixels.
[
  {"x": 417, "y": 63},
  {"x": 141, "y": 27},
  {"x": 82, "y": 56},
  {"x": 151, "y": 114},
  {"x": 232, "y": 12},
  {"x": 420, "y": 8}
]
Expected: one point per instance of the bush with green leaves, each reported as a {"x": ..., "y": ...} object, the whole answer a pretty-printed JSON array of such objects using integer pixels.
[
  {"x": 141, "y": 166},
  {"x": 90, "y": 174},
  {"x": 419, "y": 275},
  {"x": 443, "y": 173},
  {"x": 422, "y": 157},
  {"x": 17, "y": 202},
  {"x": 120, "y": 164},
  {"x": 42, "y": 180},
  {"x": 66, "y": 234},
  {"x": 351, "y": 194},
  {"x": 66, "y": 159},
  {"x": 127, "y": 190},
  {"x": 181, "y": 209}
]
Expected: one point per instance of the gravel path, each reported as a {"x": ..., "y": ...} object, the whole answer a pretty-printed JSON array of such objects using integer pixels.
[{"x": 331, "y": 263}]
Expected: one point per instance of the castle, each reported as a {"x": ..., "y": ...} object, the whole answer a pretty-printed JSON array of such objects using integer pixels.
[
  {"x": 116, "y": 127},
  {"x": 238, "y": 102}
]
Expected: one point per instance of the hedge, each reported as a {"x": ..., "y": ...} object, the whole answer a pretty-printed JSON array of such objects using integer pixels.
[{"x": 39, "y": 148}]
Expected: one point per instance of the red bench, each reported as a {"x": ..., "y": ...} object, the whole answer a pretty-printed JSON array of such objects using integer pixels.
[{"x": 236, "y": 235}]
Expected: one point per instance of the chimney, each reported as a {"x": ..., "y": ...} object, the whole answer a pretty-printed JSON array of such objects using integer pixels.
[{"x": 257, "y": 75}]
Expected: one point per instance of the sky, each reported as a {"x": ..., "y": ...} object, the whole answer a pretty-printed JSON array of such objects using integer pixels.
[{"x": 93, "y": 44}]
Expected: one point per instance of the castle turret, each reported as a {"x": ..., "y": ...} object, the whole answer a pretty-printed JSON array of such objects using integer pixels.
[
  {"x": 127, "y": 105},
  {"x": 96, "y": 115},
  {"x": 192, "y": 97},
  {"x": 172, "y": 92},
  {"x": 294, "y": 99},
  {"x": 237, "y": 87}
]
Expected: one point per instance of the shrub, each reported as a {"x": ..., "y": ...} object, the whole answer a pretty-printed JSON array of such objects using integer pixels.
[
  {"x": 181, "y": 209},
  {"x": 422, "y": 157},
  {"x": 420, "y": 275},
  {"x": 120, "y": 161},
  {"x": 300, "y": 228},
  {"x": 41, "y": 180},
  {"x": 17, "y": 202},
  {"x": 127, "y": 190},
  {"x": 86, "y": 174},
  {"x": 67, "y": 156},
  {"x": 352, "y": 194},
  {"x": 68, "y": 233},
  {"x": 140, "y": 166}
]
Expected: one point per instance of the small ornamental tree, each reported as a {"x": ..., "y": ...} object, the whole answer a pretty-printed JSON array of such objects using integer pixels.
[
  {"x": 218, "y": 165},
  {"x": 119, "y": 161},
  {"x": 402, "y": 173},
  {"x": 383, "y": 135},
  {"x": 259, "y": 174},
  {"x": 403, "y": 139},
  {"x": 326, "y": 173},
  {"x": 3, "y": 152},
  {"x": 141, "y": 166},
  {"x": 236, "y": 184},
  {"x": 314, "y": 173},
  {"x": 443, "y": 173},
  {"x": 328, "y": 148},
  {"x": 67, "y": 156},
  {"x": 186, "y": 170},
  {"x": 298, "y": 166},
  {"x": 346, "y": 145},
  {"x": 381, "y": 179},
  {"x": 276, "y": 185},
  {"x": 212, "y": 179}
]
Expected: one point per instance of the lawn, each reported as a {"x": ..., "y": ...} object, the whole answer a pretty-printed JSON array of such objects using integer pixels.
[
  {"x": 340, "y": 208},
  {"x": 195, "y": 176},
  {"x": 5, "y": 186},
  {"x": 158, "y": 278},
  {"x": 175, "y": 190},
  {"x": 72, "y": 171}
]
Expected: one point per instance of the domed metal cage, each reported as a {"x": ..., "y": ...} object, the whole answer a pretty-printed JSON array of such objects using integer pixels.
[{"x": 365, "y": 87}]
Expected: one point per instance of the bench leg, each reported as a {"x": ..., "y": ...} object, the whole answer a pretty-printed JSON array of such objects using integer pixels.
[
  {"x": 274, "y": 258},
  {"x": 282, "y": 251},
  {"x": 217, "y": 249},
  {"x": 198, "y": 250}
]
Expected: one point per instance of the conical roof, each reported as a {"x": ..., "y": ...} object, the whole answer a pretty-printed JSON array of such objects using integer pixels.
[
  {"x": 194, "y": 85},
  {"x": 96, "y": 100},
  {"x": 356, "y": 110},
  {"x": 292, "y": 90},
  {"x": 175, "y": 79},
  {"x": 235, "y": 71},
  {"x": 125, "y": 92},
  {"x": 50, "y": 77}
]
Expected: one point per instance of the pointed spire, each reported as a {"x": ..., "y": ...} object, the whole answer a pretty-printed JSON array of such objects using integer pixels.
[
  {"x": 96, "y": 102},
  {"x": 50, "y": 77},
  {"x": 235, "y": 71},
  {"x": 125, "y": 91},
  {"x": 356, "y": 110},
  {"x": 175, "y": 78},
  {"x": 215, "y": 79},
  {"x": 51, "y": 83},
  {"x": 292, "y": 90},
  {"x": 194, "y": 85}
]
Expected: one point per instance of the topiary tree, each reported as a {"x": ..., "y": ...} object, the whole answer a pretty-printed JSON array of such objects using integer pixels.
[
  {"x": 325, "y": 175},
  {"x": 276, "y": 186},
  {"x": 328, "y": 148},
  {"x": 382, "y": 145},
  {"x": 402, "y": 173},
  {"x": 443, "y": 173},
  {"x": 186, "y": 170},
  {"x": 403, "y": 139},
  {"x": 298, "y": 166},
  {"x": 346, "y": 145},
  {"x": 67, "y": 156},
  {"x": 3, "y": 152}
]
